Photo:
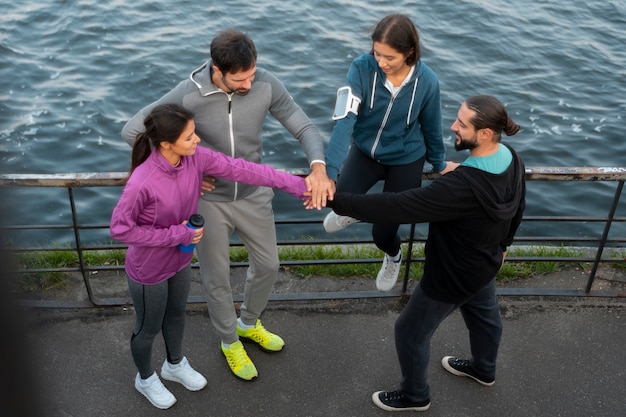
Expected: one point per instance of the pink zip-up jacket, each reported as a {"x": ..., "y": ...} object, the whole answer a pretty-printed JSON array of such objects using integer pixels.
[{"x": 158, "y": 197}]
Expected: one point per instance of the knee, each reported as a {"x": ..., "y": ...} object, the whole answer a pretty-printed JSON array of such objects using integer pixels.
[
  {"x": 267, "y": 268},
  {"x": 386, "y": 237}
]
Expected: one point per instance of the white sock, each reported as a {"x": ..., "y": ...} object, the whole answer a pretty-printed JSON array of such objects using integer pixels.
[
  {"x": 243, "y": 325},
  {"x": 397, "y": 257}
]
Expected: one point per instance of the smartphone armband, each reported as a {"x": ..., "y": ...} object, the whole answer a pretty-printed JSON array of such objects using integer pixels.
[{"x": 346, "y": 102}]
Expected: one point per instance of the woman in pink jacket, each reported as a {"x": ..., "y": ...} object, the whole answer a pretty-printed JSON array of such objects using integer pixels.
[{"x": 161, "y": 193}]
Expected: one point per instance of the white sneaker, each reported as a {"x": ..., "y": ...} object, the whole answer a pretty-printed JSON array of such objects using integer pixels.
[
  {"x": 334, "y": 222},
  {"x": 154, "y": 390},
  {"x": 184, "y": 374},
  {"x": 388, "y": 274}
]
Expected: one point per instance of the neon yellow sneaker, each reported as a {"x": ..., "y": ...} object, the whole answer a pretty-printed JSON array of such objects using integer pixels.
[
  {"x": 239, "y": 362},
  {"x": 268, "y": 341}
]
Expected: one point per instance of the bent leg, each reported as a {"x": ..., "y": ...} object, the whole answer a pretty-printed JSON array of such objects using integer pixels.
[{"x": 397, "y": 178}]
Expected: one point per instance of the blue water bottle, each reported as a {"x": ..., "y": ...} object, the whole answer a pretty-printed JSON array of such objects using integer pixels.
[{"x": 196, "y": 221}]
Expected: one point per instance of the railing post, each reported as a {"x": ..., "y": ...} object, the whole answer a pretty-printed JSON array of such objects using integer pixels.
[
  {"x": 79, "y": 247},
  {"x": 605, "y": 234},
  {"x": 407, "y": 265}
]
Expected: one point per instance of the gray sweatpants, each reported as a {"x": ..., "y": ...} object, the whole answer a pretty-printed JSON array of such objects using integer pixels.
[
  {"x": 159, "y": 307},
  {"x": 253, "y": 220}
]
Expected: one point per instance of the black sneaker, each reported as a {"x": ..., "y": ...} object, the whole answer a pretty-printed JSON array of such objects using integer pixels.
[
  {"x": 396, "y": 401},
  {"x": 461, "y": 367}
]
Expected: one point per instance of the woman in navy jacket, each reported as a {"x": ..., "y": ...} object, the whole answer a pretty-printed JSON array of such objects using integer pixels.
[{"x": 388, "y": 123}]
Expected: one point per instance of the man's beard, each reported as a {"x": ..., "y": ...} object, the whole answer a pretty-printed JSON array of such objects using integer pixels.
[
  {"x": 464, "y": 144},
  {"x": 233, "y": 90}
]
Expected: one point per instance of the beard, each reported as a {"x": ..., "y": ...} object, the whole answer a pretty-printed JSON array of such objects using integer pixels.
[
  {"x": 238, "y": 91},
  {"x": 462, "y": 144}
]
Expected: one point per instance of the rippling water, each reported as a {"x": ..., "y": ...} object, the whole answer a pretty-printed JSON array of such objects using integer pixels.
[{"x": 74, "y": 71}]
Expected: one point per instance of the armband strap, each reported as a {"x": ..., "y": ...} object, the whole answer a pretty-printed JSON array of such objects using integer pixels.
[{"x": 346, "y": 103}]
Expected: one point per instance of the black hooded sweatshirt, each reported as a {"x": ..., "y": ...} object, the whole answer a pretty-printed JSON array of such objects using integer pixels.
[{"x": 473, "y": 218}]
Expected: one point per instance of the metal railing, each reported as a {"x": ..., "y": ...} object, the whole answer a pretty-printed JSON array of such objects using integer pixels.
[{"x": 71, "y": 181}]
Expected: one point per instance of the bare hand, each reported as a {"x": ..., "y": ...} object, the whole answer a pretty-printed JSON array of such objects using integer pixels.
[
  {"x": 198, "y": 235},
  {"x": 308, "y": 204},
  {"x": 321, "y": 187},
  {"x": 450, "y": 166},
  {"x": 207, "y": 184}
]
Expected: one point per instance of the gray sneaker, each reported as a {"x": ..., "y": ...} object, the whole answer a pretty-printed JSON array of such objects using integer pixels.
[
  {"x": 154, "y": 390},
  {"x": 334, "y": 222},
  {"x": 184, "y": 374},
  {"x": 388, "y": 274}
]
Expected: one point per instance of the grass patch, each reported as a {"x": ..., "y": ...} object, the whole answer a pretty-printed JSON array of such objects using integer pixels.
[
  {"x": 511, "y": 270},
  {"x": 60, "y": 259},
  {"x": 621, "y": 255}
]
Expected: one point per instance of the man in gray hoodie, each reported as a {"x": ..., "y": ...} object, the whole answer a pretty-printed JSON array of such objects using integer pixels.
[{"x": 231, "y": 97}]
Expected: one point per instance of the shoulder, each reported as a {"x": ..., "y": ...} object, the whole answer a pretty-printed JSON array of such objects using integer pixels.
[
  {"x": 270, "y": 82},
  {"x": 424, "y": 72},
  {"x": 140, "y": 181},
  {"x": 265, "y": 75},
  {"x": 365, "y": 61},
  {"x": 202, "y": 152}
]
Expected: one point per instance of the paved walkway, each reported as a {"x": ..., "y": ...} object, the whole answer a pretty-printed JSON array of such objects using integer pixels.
[{"x": 559, "y": 357}]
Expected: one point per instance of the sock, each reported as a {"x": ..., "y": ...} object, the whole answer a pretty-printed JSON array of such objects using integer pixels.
[
  {"x": 173, "y": 365},
  {"x": 145, "y": 380},
  {"x": 397, "y": 257},
  {"x": 243, "y": 325}
]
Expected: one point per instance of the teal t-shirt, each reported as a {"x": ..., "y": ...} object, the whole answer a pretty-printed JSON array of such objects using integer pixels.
[{"x": 495, "y": 163}]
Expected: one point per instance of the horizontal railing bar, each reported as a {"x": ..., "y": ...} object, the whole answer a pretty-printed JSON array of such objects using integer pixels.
[
  {"x": 104, "y": 179},
  {"x": 84, "y": 180},
  {"x": 575, "y": 219}
]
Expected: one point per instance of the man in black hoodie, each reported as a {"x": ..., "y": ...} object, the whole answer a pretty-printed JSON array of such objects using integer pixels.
[{"x": 474, "y": 212}]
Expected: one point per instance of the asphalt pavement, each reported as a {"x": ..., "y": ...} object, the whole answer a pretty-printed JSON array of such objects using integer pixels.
[{"x": 558, "y": 357}]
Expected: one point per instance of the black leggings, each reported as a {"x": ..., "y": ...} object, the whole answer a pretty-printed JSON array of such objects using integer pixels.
[
  {"x": 159, "y": 307},
  {"x": 360, "y": 173}
]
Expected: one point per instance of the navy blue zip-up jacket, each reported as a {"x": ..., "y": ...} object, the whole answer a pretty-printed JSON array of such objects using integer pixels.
[{"x": 392, "y": 130}]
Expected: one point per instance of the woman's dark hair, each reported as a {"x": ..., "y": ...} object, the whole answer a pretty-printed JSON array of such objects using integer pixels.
[
  {"x": 399, "y": 32},
  {"x": 491, "y": 114},
  {"x": 233, "y": 51},
  {"x": 165, "y": 123}
]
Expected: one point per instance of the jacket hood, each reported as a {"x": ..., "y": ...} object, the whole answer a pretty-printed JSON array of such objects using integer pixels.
[
  {"x": 201, "y": 77},
  {"x": 499, "y": 202}
]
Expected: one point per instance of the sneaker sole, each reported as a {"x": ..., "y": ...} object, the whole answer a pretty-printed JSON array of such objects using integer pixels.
[
  {"x": 248, "y": 340},
  {"x": 334, "y": 228},
  {"x": 175, "y": 379},
  {"x": 447, "y": 367},
  {"x": 380, "y": 404},
  {"x": 160, "y": 407}
]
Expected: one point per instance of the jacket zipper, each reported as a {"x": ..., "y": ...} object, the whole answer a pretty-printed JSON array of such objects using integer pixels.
[
  {"x": 380, "y": 129},
  {"x": 232, "y": 137}
]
